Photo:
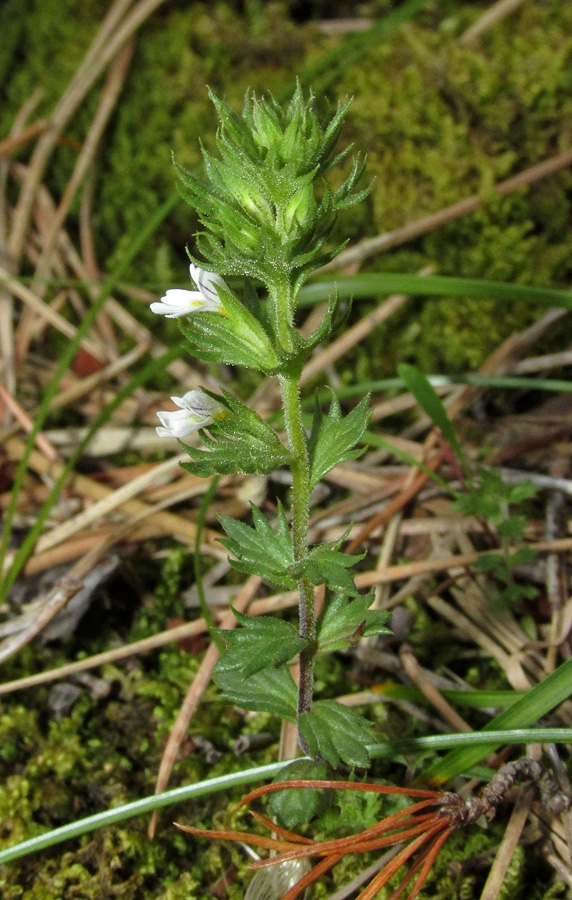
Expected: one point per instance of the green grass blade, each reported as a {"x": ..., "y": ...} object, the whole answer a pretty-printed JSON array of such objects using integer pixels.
[
  {"x": 139, "y": 807},
  {"x": 359, "y": 287},
  {"x": 64, "y": 364},
  {"x": 432, "y": 405},
  {"x": 503, "y": 382},
  {"x": 476, "y": 742},
  {"x": 537, "y": 702}
]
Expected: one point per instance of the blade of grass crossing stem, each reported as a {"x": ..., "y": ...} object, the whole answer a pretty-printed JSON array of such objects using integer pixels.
[
  {"x": 539, "y": 701},
  {"x": 371, "y": 285},
  {"x": 201, "y": 519},
  {"x": 249, "y": 776},
  {"x": 364, "y": 287},
  {"x": 25, "y": 549},
  {"x": 65, "y": 362},
  {"x": 502, "y": 382}
]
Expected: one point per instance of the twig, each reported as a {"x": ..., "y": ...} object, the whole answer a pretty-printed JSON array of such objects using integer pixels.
[
  {"x": 14, "y": 141},
  {"x": 25, "y": 421},
  {"x": 66, "y": 588},
  {"x": 433, "y": 694}
]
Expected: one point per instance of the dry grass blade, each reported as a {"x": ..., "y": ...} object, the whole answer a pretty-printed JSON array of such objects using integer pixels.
[
  {"x": 45, "y": 311},
  {"x": 435, "y": 697},
  {"x": 15, "y": 141},
  {"x": 505, "y": 853},
  {"x": 109, "y": 96},
  {"x": 68, "y": 104},
  {"x": 26, "y": 423},
  {"x": 6, "y": 303},
  {"x": 176, "y": 525}
]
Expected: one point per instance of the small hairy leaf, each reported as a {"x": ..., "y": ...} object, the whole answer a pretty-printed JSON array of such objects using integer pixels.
[
  {"x": 296, "y": 807},
  {"x": 260, "y": 550},
  {"x": 271, "y": 690},
  {"x": 260, "y": 642},
  {"x": 337, "y": 733},
  {"x": 343, "y": 618},
  {"x": 333, "y": 437}
]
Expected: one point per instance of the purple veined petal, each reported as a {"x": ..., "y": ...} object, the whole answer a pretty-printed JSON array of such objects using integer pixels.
[
  {"x": 196, "y": 410},
  {"x": 198, "y": 403},
  {"x": 207, "y": 282}
]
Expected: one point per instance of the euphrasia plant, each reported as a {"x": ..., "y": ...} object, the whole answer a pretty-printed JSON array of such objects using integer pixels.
[{"x": 267, "y": 212}]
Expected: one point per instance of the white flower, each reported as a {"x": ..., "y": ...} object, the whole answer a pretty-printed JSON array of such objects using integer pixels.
[
  {"x": 197, "y": 410},
  {"x": 178, "y": 302}
]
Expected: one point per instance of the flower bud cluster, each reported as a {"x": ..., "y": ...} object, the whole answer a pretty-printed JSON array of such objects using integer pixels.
[{"x": 258, "y": 203}]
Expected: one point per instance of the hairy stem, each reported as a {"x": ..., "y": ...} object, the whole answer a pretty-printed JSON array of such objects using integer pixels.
[{"x": 290, "y": 385}]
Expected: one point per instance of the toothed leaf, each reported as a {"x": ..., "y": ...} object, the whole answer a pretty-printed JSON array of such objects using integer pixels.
[
  {"x": 272, "y": 690},
  {"x": 259, "y": 642},
  {"x": 297, "y": 807},
  {"x": 337, "y": 733},
  {"x": 333, "y": 437},
  {"x": 260, "y": 550},
  {"x": 343, "y": 620}
]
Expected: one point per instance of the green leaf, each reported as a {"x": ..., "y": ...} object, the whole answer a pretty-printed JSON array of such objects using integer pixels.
[
  {"x": 260, "y": 550},
  {"x": 239, "y": 442},
  {"x": 272, "y": 690},
  {"x": 327, "y": 565},
  {"x": 333, "y": 437},
  {"x": 337, "y": 733},
  {"x": 431, "y": 403},
  {"x": 260, "y": 642},
  {"x": 343, "y": 618},
  {"x": 524, "y": 490},
  {"x": 297, "y": 807}
]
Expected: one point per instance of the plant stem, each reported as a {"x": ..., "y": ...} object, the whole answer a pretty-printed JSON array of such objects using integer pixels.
[{"x": 290, "y": 385}]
